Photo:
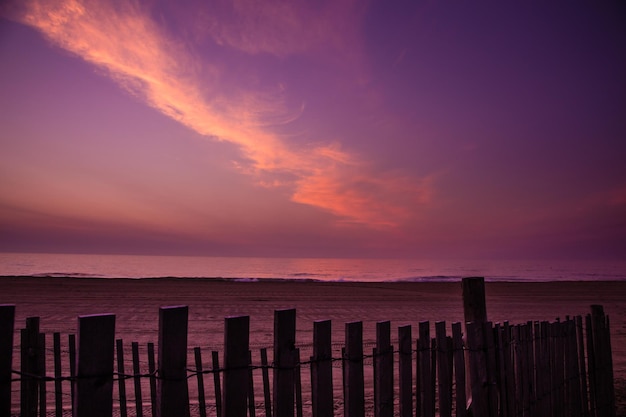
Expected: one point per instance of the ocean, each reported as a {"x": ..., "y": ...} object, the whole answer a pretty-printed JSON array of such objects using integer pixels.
[{"x": 300, "y": 269}]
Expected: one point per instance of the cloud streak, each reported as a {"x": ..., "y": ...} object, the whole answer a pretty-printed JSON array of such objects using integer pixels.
[{"x": 171, "y": 76}]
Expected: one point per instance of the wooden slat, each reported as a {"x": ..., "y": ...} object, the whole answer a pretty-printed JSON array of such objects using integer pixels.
[
  {"x": 354, "y": 391},
  {"x": 478, "y": 369},
  {"x": 251, "y": 400},
  {"x": 383, "y": 371},
  {"x": 137, "y": 380},
  {"x": 58, "y": 386},
  {"x": 492, "y": 382},
  {"x": 236, "y": 359},
  {"x": 172, "y": 388},
  {"x": 321, "y": 370},
  {"x": 459, "y": 369},
  {"x": 444, "y": 370},
  {"x": 584, "y": 395},
  {"x": 217, "y": 385},
  {"x": 266, "y": 383},
  {"x": 121, "y": 379},
  {"x": 298, "y": 385},
  {"x": 509, "y": 368},
  {"x": 284, "y": 362},
  {"x": 94, "y": 368},
  {"x": 29, "y": 363},
  {"x": 152, "y": 379},
  {"x": 405, "y": 371},
  {"x": 41, "y": 366},
  {"x": 72, "y": 353},
  {"x": 7, "y": 326},
  {"x": 425, "y": 375},
  {"x": 200, "y": 378}
]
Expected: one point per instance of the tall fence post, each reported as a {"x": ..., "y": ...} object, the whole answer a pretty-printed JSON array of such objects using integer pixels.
[
  {"x": 284, "y": 362},
  {"x": 7, "y": 325},
  {"x": 354, "y": 390},
  {"x": 475, "y": 312},
  {"x": 236, "y": 362},
  {"x": 94, "y": 366},
  {"x": 321, "y": 370},
  {"x": 172, "y": 389},
  {"x": 603, "y": 362},
  {"x": 383, "y": 371}
]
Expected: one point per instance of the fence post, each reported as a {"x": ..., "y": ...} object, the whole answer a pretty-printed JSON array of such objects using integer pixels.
[
  {"x": 7, "y": 325},
  {"x": 284, "y": 362},
  {"x": 29, "y": 367},
  {"x": 474, "y": 304},
  {"x": 475, "y": 311},
  {"x": 236, "y": 361},
  {"x": 172, "y": 389},
  {"x": 383, "y": 371},
  {"x": 321, "y": 370},
  {"x": 354, "y": 390},
  {"x": 444, "y": 370},
  {"x": 605, "y": 396},
  {"x": 94, "y": 366},
  {"x": 425, "y": 374},
  {"x": 478, "y": 369},
  {"x": 405, "y": 371},
  {"x": 459, "y": 369}
]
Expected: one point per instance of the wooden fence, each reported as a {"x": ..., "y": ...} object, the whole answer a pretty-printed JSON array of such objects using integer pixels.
[{"x": 562, "y": 368}]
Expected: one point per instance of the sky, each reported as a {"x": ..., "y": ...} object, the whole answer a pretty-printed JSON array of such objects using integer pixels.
[{"x": 333, "y": 128}]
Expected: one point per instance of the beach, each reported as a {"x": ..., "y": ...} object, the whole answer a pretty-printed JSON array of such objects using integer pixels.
[{"x": 135, "y": 302}]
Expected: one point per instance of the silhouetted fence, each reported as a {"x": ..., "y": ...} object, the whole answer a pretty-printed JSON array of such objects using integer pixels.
[{"x": 561, "y": 368}]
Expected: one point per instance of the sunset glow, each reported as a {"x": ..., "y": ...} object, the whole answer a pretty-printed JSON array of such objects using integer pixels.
[{"x": 330, "y": 129}]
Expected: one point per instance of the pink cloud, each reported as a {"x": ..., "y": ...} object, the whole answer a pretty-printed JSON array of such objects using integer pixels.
[{"x": 166, "y": 73}]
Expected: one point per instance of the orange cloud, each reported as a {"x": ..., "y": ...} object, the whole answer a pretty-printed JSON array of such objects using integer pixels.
[{"x": 165, "y": 72}]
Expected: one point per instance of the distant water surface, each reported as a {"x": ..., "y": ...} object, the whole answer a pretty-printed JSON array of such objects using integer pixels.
[{"x": 373, "y": 270}]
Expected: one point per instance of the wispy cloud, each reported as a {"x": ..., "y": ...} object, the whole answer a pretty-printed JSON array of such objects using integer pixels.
[{"x": 191, "y": 88}]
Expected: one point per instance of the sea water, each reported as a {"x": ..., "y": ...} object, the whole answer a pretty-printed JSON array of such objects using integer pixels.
[{"x": 322, "y": 269}]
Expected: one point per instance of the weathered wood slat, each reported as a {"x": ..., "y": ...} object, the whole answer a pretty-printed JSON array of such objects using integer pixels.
[
  {"x": 424, "y": 353},
  {"x": 236, "y": 362},
  {"x": 58, "y": 386},
  {"x": 459, "y": 370},
  {"x": 298, "y": 385},
  {"x": 94, "y": 367},
  {"x": 444, "y": 370},
  {"x": 266, "y": 383},
  {"x": 41, "y": 365},
  {"x": 354, "y": 390},
  {"x": 383, "y": 371},
  {"x": 200, "y": 378},
  {"x": 321, "y": 370},
  {"x": 29, "y": 367},
  {"x": 405, "y": 371},
  {"x": 217, "y": 385},
  {"x": 284, "y": 362},
  {"x": 584, "y": 395},
  {"x": 137, "y": 380},
  {"x": 121, "y": 379},
  {"x": 152, "y": 378},
  {"x": 172, "y": 387},
  {"x": 251, "y": 400},
  {"x": 478, "y": 369}
]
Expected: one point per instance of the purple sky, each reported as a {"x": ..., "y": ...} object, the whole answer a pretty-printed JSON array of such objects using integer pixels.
[{"x": 326, "y": 128}]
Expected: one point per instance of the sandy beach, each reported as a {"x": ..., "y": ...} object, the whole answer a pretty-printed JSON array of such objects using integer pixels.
[{"x": 58, "y": 301}]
